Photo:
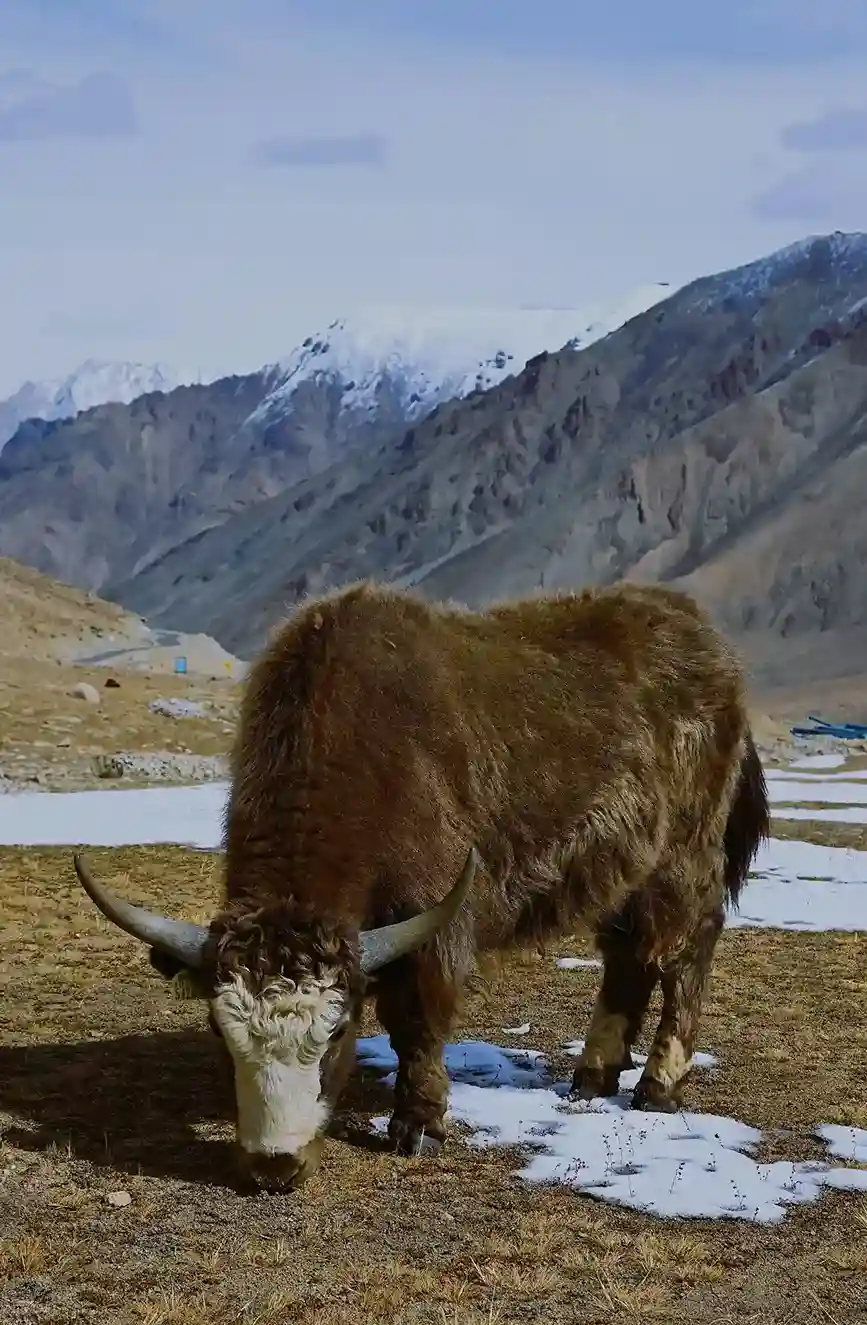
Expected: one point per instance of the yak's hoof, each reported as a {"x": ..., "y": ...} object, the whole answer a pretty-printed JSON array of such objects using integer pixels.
[
  {"x": 652, "y": 1097},
  {"x": 410, "y": 1139},
  {"x": 590, "y": 1083}
]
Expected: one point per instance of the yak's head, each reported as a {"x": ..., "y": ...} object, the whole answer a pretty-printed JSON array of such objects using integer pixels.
[{"x": 285, "y": 996}]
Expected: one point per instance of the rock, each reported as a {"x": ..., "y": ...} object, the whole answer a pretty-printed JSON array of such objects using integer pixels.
[
  {"x": 119, "y": 1199},
  {"x": 84, "y": 690},
  {"x": 106, "y": 766},
  {"x": 111, "y": 683},
  {"x": 177, "y": 708}
]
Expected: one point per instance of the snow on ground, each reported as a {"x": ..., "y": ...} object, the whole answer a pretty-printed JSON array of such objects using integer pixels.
[
  {"x": 190, "y": 816},
  {"x": 818, "y": 790},
  {"x": 843, "y": 796},
  {"x": 795, "y": 885},
  {"x": 845, "y": 1142},
  {"x": 804, "y": 886},
  {"x": 577, "y": 963},
  {"x": 674, "y": 1165},
  {"x": 819, "y": 761}
]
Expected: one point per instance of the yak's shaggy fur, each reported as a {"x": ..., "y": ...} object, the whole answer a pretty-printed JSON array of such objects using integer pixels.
[{"x": 596, "y": 749}]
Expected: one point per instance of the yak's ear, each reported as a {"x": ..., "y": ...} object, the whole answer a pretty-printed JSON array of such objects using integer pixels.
[{"x": 186, "y": 983}]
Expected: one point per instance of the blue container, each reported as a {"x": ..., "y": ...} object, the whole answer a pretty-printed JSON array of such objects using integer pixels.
[{"x": 180, "y": 666}]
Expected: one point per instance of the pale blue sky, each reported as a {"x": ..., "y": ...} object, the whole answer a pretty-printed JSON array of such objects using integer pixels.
[{"x": 208, "y": 181}]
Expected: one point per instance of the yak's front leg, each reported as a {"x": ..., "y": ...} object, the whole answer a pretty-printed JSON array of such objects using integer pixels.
[
  {"x": 415, "y": 1002},
  {"x": 625, "y": 992},
  {"x": 683, "y": 985}
]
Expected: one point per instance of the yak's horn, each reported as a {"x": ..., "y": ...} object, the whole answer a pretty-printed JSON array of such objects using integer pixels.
[
  {"x": 179, "y": 938},
  {"x": 380, "y": 946}
]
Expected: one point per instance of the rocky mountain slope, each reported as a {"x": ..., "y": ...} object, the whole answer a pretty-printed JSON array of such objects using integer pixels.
[
  {"x": 99, "y": 498},
  {"x": 93, "y": 383},
  {"x": 717, "y": 439}
]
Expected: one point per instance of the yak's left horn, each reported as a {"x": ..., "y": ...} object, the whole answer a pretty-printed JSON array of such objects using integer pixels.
[
  {"x": 179, "y": 938},
  {"x": 380, "y": 946}
]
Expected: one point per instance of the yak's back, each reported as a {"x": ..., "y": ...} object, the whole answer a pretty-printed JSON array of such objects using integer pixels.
[
  {"x": 374, "y": 659},
  {"x": 380, "y": 646},
  {"x": 644, "y": 638}
]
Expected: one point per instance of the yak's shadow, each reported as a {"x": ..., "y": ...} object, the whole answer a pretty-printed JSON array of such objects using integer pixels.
[{"x": 141, "y": 1103}]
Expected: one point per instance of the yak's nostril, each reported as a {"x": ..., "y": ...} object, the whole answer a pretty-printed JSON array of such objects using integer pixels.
[{"x": 276, "y": 1173}]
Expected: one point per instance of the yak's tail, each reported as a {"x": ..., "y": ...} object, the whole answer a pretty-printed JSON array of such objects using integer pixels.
[{"x": 749, "y": 822}]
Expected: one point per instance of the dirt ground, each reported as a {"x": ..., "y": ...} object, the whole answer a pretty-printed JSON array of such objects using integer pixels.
[
  {"x": 107, "y": 1086},
  {"x": 56, "y": 741},
  {"x": 53, "y": 739}
]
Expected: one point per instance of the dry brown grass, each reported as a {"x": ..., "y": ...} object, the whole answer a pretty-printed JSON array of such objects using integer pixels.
[
  {"x": 853, "y": 836},
  {"x": 45, "y": 730},
  {"x": 107, "y": 1084},
  {"x": 40, "y": 617}
]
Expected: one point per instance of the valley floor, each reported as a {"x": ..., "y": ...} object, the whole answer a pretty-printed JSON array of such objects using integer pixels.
[{"x": 117, "y": 1196}]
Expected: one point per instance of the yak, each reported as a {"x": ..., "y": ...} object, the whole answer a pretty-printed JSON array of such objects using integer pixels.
[{"x": 576, "y": 759}]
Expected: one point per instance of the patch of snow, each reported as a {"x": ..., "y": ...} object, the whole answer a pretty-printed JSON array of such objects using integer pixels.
[
  {"x": 839, "y": 793},
  {"x": 804, "y": 886},
  {"x": 94, "y": 382},
  {"x": 683, "y": 1165},
  {"x": 577, "y": 963},
  {"x": 178, "y": 708},
  {"x": 189, "y": 816},
  {"x": 429, "y": 355},
  {"x": 845, "y": 1142},
  {"x": 819, "y": 761},
  {"x": 517, "y": 1030},
  {"x": 788, "y": 860}
]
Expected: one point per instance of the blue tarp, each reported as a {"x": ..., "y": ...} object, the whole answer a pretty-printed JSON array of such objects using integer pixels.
[{"x": 845, "y": 731}]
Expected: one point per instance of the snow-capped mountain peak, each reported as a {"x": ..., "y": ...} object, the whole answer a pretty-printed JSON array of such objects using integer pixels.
[
  {"x": 94, "y": 382},
  {"x": 434, "y": 354}
]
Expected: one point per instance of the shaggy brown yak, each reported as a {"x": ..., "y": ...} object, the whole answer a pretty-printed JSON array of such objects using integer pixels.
[{"x": 593, "y": 747}]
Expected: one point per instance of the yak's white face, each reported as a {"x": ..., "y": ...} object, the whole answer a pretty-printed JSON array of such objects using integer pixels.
[{"x": 277, "y": 1039}]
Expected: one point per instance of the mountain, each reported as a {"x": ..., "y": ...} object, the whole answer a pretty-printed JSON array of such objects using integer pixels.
[
  {"x": 92, "y": 383},
  {"x": 99, "y": 498},
  {"x": 718, "y": 440},
  {"x": 423, "y": 357}
]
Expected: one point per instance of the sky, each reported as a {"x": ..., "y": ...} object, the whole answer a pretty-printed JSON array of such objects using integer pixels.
[{"x": 205, "y": 184}]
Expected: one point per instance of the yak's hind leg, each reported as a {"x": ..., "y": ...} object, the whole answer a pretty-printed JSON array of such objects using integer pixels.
[
  {"x": 627, "y": 985},
  {"x": 683, "y": 980},
  {"x": 416, "y": 1001}
]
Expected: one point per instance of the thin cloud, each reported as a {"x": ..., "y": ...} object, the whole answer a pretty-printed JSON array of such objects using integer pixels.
[
  {"x": 835, "y": 131},
  {"x": 817, "y": 193},
  {"x": 367, "y": 149},
  {"x": 99, "y": 106}
]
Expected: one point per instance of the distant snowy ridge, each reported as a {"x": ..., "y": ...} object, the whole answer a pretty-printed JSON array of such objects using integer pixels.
[
  {"x": 417, "y": 357},
  {"x": 841, "y": 253},
  {"x": 427, "y": 355},
  {"x": 94, "y": 382}
]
